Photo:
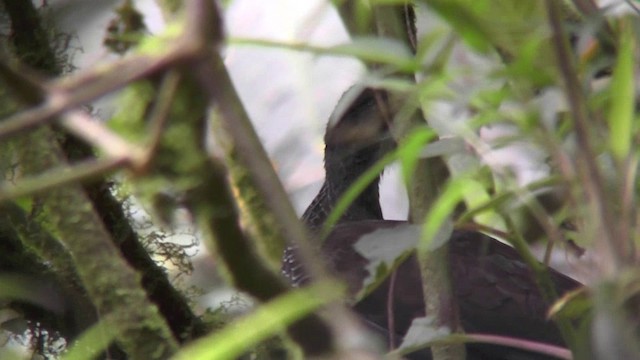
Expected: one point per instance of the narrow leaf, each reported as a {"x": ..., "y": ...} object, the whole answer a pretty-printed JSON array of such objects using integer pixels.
[
  {"x": 92, "y": 342},
  {"x": 385, "y": 249},
  {"x": 411, "y": 150},
  {"x": 368, "y": 49},
  {"x": 380, "y": 50},
  {"x": 266, "y": 321},
  {"x": 454, "y": 192},
  {"x": 422, "y": 333},
  {"x": 622, "y": 96}
]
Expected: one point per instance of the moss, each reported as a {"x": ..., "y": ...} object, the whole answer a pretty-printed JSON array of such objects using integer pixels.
[
  {"x": 126, "y": 29},
  {"x": 133, "y": 106},
  {"x": 263, "y": 227},
  {"x": 107, "y": 277},
  {"x": 171, "y": 7}
]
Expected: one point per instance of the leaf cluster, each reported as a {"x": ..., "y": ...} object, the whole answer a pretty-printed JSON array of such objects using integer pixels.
[{"x": 531, "y": 68}]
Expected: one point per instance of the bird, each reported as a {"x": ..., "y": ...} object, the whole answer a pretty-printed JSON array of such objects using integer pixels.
[
  {"x": 496, "y": 291},
  {"x": 357, "y": 136}
]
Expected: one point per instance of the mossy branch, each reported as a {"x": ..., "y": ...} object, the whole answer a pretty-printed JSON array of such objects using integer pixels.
[
  {"x": 67, "y": 211},
  {"x": 172, "y": 304}
]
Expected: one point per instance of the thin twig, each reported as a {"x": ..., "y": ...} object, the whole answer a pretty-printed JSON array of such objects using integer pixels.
[
  {"x": 540, "y": 348},
  {"x": 72, "y": 91},
  {"x": 391, "y": 318},
  {"x": 545, "y": 284},
  {"x": 160, "y": 112},
  {"x": 533, "y": 346},
  {"x": 592, "y": 178},
  {"x": 590, "y": 9},
  {"x": 215, "y": 81},
  {"x": 503, "y": 197},
  {"x": 633, "y": 6},
  {"x": 51, "y": 179},
  {"x": 97, "y": 134}
]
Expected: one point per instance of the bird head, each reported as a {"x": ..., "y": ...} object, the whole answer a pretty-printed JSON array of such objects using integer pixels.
[{"x": 357, "y": 135}]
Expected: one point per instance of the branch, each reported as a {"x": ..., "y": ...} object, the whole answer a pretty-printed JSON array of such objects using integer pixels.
[
  {"x": 24, "y": 249},
  {"x": 252, "y": 156},
  {"x": 73, "y": 91},
  {"x": 617, "y": 251},
  {"x": 95, "y": 133},
  {"x": 212, "y": 202},
  {"x": 171, "y": 303},
  {"x": 141, "y": 332},
  {"x": 427, "y": 179},
  {"x": 64, "y": 175},
  {"x": 318, "y": 337}
]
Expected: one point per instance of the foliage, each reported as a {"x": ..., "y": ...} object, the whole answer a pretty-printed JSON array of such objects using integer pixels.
[{"x": 526, "y": 67}]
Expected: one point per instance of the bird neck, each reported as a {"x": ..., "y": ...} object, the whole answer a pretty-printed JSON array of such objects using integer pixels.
[{"x": 366, "y": 205}]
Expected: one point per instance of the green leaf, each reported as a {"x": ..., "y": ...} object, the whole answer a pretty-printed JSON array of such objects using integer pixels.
[
  {"x": 440, "y": 213},
  {"x": 621, "y": 113},
  {"x": 134, "y": 102},
  {"x": 158, "y": 43},
  {"x": 379, "y": 50},
  {"x": 421, "y": 334},
  {"x": 388, "y": 248},
  {"x": 465, "y": 22},
  {"x": 266, "y": 321},
  {"x": 410, "y": 150},
  {"x": 504, "y": 197},
  {"x": 505, "y": 25},
  {"x": 92, "y": 342},
  {"x": 573, "y": 305},
  {"x": 385, "y": 249},
  {"x": 369, "y": 49},
  {"x": 444, "y": 147},
  {"x": 531, "y": 66}
]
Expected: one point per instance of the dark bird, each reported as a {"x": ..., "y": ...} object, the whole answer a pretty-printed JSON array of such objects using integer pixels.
[
  {"x": 356, "y": 138},
  {"x": 495, "y": 290}
]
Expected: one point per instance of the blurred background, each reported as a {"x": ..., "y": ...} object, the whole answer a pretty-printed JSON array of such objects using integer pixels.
[{"x": 289, "y": 95}]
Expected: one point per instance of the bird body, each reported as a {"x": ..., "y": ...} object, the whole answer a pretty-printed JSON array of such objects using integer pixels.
[{"x": 496, "y": 291}]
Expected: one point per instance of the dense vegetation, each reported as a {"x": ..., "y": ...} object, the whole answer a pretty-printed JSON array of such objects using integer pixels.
[{"x": 77, "y": 277}]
